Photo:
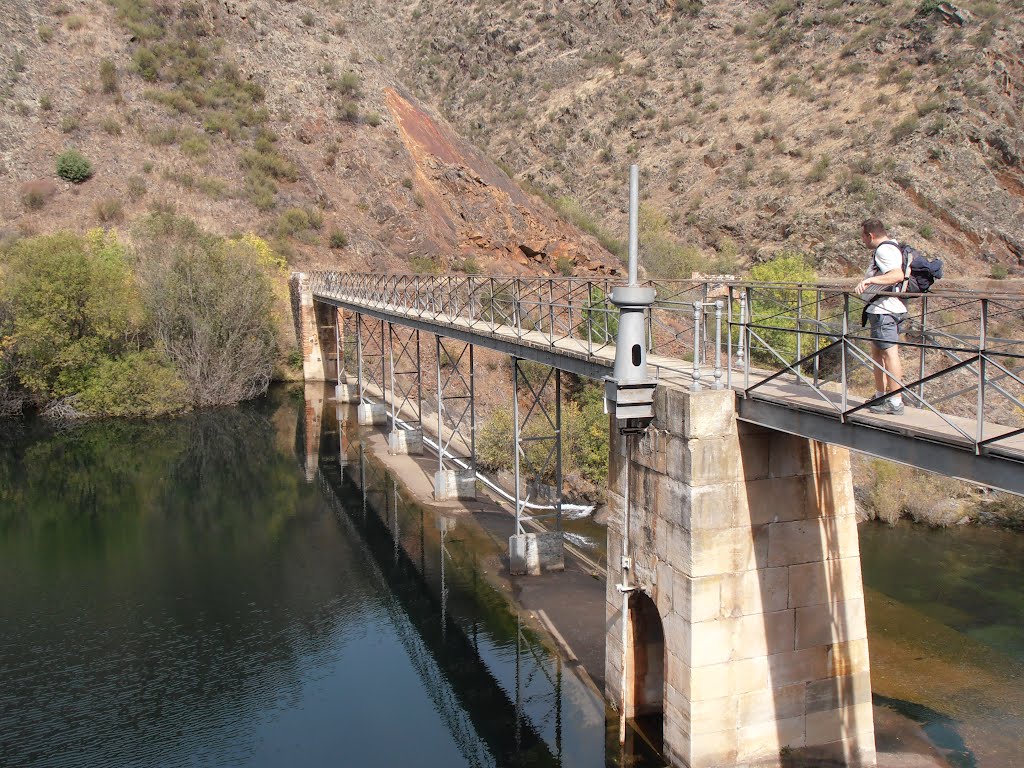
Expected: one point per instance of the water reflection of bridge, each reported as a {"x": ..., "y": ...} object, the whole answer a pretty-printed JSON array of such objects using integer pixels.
[{"x": 455, "y": 642}]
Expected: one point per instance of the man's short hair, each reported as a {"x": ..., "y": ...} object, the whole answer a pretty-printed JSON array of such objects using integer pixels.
[{"x": 873, "y": 227}]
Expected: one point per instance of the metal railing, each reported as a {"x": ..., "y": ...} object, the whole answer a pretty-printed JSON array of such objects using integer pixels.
[{"x": 801, "y": 344}]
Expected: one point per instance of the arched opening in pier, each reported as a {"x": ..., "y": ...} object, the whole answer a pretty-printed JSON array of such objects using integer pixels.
[{"x": 648, "y": 643}]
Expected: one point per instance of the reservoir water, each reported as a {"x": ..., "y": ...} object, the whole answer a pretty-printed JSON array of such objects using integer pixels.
[{"x": 196, "y": 592}]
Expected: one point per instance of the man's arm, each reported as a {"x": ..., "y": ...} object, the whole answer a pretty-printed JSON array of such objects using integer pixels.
[{"x": 891, "y": 277}]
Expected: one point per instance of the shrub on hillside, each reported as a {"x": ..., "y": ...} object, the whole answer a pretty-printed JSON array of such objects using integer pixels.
[{"x": 73, "y": 166}]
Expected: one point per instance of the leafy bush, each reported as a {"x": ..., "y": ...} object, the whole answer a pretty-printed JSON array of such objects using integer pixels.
[
  {"x": 74, "y": 306},
  {"x": 337, "y": 239},
  {"x": 211, "y": 305},
  {"x": 73, "y": 166},
  {"x": 138, "y": 384},
  {"x": 775, "y": 309}
]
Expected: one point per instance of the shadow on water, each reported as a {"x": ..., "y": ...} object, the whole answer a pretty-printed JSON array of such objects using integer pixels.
[{"x": 940, "y": 729}]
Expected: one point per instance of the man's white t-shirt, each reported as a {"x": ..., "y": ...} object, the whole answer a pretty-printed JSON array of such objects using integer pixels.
[{"x": 887, "y": 257}]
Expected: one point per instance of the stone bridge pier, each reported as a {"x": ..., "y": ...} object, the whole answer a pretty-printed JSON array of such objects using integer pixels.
[{"x": 746, "y": 628}]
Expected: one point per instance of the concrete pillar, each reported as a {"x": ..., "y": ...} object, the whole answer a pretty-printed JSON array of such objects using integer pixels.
[
  {"x": 454, "y": 484},
  {"x": 312, "y": 356},
  {"x": 346, "y": 393},
  {"x": 531, "y": 554},
  {"x": 746, "y": 541},
  {"x": 371, "y": 414},
  {"x": 405, "y": 442}
]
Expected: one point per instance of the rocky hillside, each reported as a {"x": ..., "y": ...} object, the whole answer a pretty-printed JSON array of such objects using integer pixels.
[{"x": 495, "y": 135}]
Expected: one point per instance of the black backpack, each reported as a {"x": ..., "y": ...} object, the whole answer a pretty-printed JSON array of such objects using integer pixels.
[{"x": 921, "y": 272}]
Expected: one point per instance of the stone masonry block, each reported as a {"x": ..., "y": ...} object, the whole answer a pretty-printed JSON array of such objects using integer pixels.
[
  {"x": 769, "y": 705},
  {"x": 808, "y": 541},
  {"x": 798, "y": 666},
  {"x": 848, "y": 658},
  {"x": 763, "y": 635},
  {"x": 778, "y": 500},
  {"x": 828, "y": 624},
  {"x": 754, "y": 455},
  {"x": 698, "y": 599},
  {"x": 728, "y": 550},
  {"x": 759, "y": 744},
  {"x": 712, "y": 715},
  {"x": 838, "y": 692},
  {"x": 707, "y": 461},
  {"x": 708, "y": 413},
  {"x": 755, "y": 592},
  {"x": 788, "y": 455},
  {"x": 731, "y": 678},
  {"x": 678, "y": 675},
  {"x": 839, "y": 724},
  {"x": 831, "y": 582}
]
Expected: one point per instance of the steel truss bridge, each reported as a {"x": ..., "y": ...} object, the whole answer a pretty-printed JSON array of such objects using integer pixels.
[{"x": 796, "y": 355}]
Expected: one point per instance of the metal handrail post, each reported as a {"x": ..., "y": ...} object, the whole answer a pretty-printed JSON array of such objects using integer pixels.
[
  {"x": 921, "y": 351},
  {"x": 817, "y": 345},
  {"x": 746, "y": 310},
  {"x": 842, "y": 365},
  {"x": 728, "y": 340},
  {"x": 696, "y": 346},
  {"x": 799, "y": 317},
  {"x": 440, "y": 405},
  {"x": 718, "y": 344},
  {"x": 982, "y": 365}
]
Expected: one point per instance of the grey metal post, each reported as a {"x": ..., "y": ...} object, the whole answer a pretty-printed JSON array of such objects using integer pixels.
[
  {"x": 472, "y": 416},
  {"x": 817, "y": 329},
  {"x": 337, "y": 345},
  {"x": 842, "y": 366},
  {"x": 696, "y": 346},
  {"x": 728, "y": 340},
  {"x": 982, "y": 360},
  {"x": 515, "y": 437},
  {"x": 391, "y": 358},
  {"x": 360, "y": 379},
  {"x": 799, "y": 317},
  {"x": 440, "y": 403},
  {"x": 746, "y": 310},
  {"x": 921, "y": 349},
  {"x": 419, "y": 384},
  {"x": 384, "y": 371},
  {"x": 718, "y": 344},
  {"x": 558, "y": 450}
]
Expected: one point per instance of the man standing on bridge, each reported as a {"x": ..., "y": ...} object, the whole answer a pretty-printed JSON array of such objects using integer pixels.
[{"x": 885, "y": 312}]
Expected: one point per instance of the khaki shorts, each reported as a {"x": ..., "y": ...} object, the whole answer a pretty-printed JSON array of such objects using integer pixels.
[{"x": 885, "y": 329}]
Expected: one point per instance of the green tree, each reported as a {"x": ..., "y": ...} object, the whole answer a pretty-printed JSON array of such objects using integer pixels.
[
  {"x": 774, "y": 309},
  {"x": 73, "y": 305}
]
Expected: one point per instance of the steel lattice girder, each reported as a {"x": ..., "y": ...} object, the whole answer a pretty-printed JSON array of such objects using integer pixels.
[
  {"x": 549, "y": 436},
  {"x": 456, "y": 408}
]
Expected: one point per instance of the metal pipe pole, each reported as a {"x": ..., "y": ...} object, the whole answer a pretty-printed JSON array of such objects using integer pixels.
[
  {"x": 625, "y": 589},
  {"x": 634, "y": 215},
  {"x": 472, "y": 416},
  {"x": 696, "y": 346},
  {"x": 440, "y": 404},
  {"x": 718, "y": 344},
  {"x": 558, "y": 450},
  {"x": 515, "y": 434},
  {"x": 982, "y": 361},
  {"x": 391, "y": 358},
  {"x": 359, "y": 357}
]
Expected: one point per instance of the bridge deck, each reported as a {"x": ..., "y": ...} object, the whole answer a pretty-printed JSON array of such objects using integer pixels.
[{"x": 920, "y": 437}]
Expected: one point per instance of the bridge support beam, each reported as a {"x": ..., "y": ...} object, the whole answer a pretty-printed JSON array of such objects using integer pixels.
[{"x": 745, "y": 542}]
